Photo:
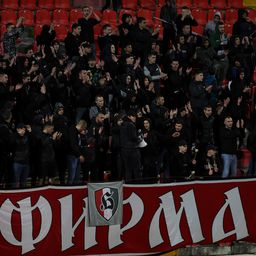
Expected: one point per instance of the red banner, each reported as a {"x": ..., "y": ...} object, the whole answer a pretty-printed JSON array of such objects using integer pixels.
[{"x": 157, "y": 218}]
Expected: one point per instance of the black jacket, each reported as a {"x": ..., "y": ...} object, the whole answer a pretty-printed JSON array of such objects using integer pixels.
[
  {"x": 228, "y": 140},
  {"x": 21, "y": 149},
  {"x": 128, "y": 135}
]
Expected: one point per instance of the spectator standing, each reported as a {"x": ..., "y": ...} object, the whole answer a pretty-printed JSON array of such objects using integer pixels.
[
  {"x": 21, "y": 156},
  {"x": 48, "y": 162},
  {"x": 73, "y": 41},
  {"x": 185, "y": 18},
  {"x": 210, "y": 26},
  {"x": 168, "y": 14},
  {"x": 10, "y": 36},
  {"x": 75, "y": 156},
  {"x": 87, "y": 23},
  {"x": 129, "y": 149},
  {"x": 228, "y": 146}
]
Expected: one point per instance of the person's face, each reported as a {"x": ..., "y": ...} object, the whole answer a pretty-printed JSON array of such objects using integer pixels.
[
  {"x": 228, "y": 122},
  {"x": 86, "y": 11},
  {"x": 100, "y": 118},
  {"x": 184, "y": 12},
  {"x": 152, "y": 59},
  {"x": 183, "y": 149},
  {"x": 56, "y": 47},
  {"x": 84, "y": 75},
  {"x": 92, "y": 63},
  {"x": 178, "y": 127},
  {"x": 108, "y": 30},
  {"x": 4, "y": 79},
  {"x": 128, "y": 20},
  {"x": 128, "y": 49},
  {"x": 130, "y": 61},
  {"x": 241, "y": 75},
  {"x": 160, "y": 101},
  {"x": 182, "y": 40},
  {"x": 26, "y": 79},
  {"x": 211, "y": 152},
  {"x": 146, "y": 81},
  {"x": 21, "y": 131},
  {"x": 132, "y": 118},
  {"x": 199, "y": 77},
  {"x": 77, "y": 31},
  {"x": 186, "y": 30},
  {"x": 146, "y": 124},
  {"x": 61, "y": 111},
  {"x": 113, "y": 49},
  {"x": 88, "y": 49},
  {"x": 221, "y": 29},
  {"x": 10, "y": 28},
  {"x": 29, "y": 53},
  {"x": 175, "y": 65},
  {"x": 216, "y": 18},
  {"x": 143, "y": 24},
  {"x": 128, "y": 80},
  {"x": 208, "y": 111},
  {"x": 100, "y": 102},
  {"x": 206, "y": 43}
]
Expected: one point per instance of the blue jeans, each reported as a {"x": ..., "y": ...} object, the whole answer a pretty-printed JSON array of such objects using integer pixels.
[
  {"x": 229, "y": 163},
  {"x": 74, "y": 168},
  {"x": 20, "y": 175},
  {"x": 252, "y": 166}
]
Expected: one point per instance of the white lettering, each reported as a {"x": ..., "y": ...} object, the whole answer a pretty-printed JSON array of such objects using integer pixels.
[
  {"x": 115, "y": 231},
  {"x": 233, "y": 201},
  {"x": 25, "y": 209},
  {"x": 173, "y": 218},
  {"x": 67, "y": 228}
]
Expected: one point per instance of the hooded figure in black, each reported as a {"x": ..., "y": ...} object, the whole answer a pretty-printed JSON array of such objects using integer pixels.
[
  {"x": 125, "y": 29},
  {"x": 243, "y": 26}
]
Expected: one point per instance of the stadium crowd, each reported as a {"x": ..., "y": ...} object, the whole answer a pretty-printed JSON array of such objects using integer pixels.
[{"x": 148, "y": 110}]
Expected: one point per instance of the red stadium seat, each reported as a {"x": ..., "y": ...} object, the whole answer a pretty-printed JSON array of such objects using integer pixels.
[
  {"x": 123, "y": 11},
  {"x": 228, "y": 29},
  {"x": 8, "y": 16},
  {"x": 61, "y": 32},
  {"x": 252, "y": 14},
  {"x": 97, "y": 31},
  {"x": 75, "y": 14},
  {"x": 231, "y": 16},
  {"x": 3, "y": 30},
  {"x": 161, "y": 32},
  {"x": 148, "y": 4},
  {"x": 43, "y": 17},
  {"x": 219, "y": 4},
  {"x": 62, "y": 4},
  {"x": 157, "y": 15},
  {"x": 198, "y": 30},
  {"x": 10, "y": 4},
  {"x": 201, "y": 4},
  {"x": 200, "y": 16},
  {"x": 46, "y": 4},
  {"x": 28, "y": 17},
  {"x": 61, "y": 17},
  {"x": 148, "y": 15},
  {"x": 181, "y": 3},
  {"x": 37, "y": 30},
  {"x": 130, "y": 4},
  {"x": 235, "y": 4},
  {"x": 28, "y": 4},
  {"x": 161, "y": 3},
  {"x": 110, "y": 17}
]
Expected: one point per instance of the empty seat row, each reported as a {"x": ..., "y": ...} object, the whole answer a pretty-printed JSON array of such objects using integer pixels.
[
  {"x": 34, "y": 4},
  {"x": 205, "y": 4}
]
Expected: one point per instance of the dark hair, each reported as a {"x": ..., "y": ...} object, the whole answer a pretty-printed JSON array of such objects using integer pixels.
[
  {"x": 75, "y": 26},
  {"x": 140, "y": 19}
]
